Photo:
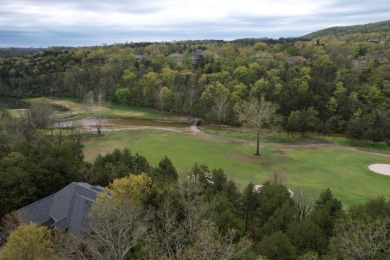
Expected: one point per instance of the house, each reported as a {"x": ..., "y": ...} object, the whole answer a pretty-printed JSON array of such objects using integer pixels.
[
  {"x": 138, "y": 57},
  {"x": 177, "y": 57},
  {"x": 257, "y": 188},
  {"x": 197, "y": 56},
  {"x": 65, "y": 209},
  {"x": 374, "y": 40},
  {"x": 263, "y": 55},
  {"x": 294, "y": 60}
]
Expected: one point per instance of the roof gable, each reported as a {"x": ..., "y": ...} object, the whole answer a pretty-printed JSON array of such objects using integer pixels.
[{"x": 67, "y": 207}]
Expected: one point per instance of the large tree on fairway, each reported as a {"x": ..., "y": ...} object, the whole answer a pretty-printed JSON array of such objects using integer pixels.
[
  {"x": 96, "y": 101},
  {"x": 259, "y": 115}
]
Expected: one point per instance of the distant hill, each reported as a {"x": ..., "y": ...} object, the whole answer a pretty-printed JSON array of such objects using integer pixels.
[
  {"x": 16, "y": 52},
  {"x": 378, "y": 27}
]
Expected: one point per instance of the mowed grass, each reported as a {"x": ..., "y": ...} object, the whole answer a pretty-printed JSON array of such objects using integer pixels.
[
  {"x": 283, "y": 137},
  {"x": 79, "y": 109},
  {"x": 313, "y": 168}
]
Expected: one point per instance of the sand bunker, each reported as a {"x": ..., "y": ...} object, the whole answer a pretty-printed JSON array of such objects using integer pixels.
[{"x": 380, "y": 168}]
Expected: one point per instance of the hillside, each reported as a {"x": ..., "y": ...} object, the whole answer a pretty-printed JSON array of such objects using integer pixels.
[{"x": 379, "y": 27}]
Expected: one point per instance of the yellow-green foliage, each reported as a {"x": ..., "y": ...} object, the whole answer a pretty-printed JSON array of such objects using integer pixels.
[
  {"x": 132, "y": 188},
  {"x": 28, "y": 242}
]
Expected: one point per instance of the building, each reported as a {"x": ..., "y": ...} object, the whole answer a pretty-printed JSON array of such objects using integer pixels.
[
  {"x": 295, "y": 60},
  {"x": 374, "y": 40},
  {"x": 65, "y": 209},
  {"x": 197, "y": 56},
  {"x": 177, "y": 57},
  {"x": 138, "y": 57}
]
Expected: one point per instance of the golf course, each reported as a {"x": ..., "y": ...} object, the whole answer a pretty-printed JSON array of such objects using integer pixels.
[
  {"x": 309, "y": 167},
  {"x": 311, "y": 164}
]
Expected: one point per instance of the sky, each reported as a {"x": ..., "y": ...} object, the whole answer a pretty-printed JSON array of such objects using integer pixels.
[{"x": 47, "y": 23}]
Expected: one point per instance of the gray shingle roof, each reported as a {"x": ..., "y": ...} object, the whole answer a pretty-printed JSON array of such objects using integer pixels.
[
  {"x": 176, "y": 55},
  {"x": 67, "y": 207}
]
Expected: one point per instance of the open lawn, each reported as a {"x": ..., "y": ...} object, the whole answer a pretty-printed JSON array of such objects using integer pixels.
[
  {"x": 312, "y": 167},
  {"x": 282, "y": 137}
]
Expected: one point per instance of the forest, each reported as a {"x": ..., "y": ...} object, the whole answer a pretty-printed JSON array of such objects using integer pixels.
[{"x": 327, "y": 85}]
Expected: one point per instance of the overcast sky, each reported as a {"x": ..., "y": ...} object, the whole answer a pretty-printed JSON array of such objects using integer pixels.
[{"x": 43, "y": 23}]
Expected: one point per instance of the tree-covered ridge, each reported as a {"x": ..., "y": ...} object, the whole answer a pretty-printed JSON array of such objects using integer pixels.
[
  {"x": 327, "y": 85},
  {"x": 379, "y": 27}
]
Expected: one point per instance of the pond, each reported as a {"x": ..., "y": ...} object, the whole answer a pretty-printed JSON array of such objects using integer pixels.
[{"x": 13, "y": 103}]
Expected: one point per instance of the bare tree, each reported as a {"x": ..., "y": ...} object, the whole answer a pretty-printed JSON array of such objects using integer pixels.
[
  {"x": 191, "y": 99},
  {"x": 219, "y": 107},
  {"x": 194, "y": 235},
  {"x": 23, "y": 124},
  {"x": 362, "y": 239},
  {"x": 210, "y": 244},
  {"x": 277, "y": 177},
  {"x": 239, "y": 108},
  {"x": 260, "y": 115},
  {"x": 303, "y": 204},
  {"x": 97, "y": 102},
  {"x": 42, "y": 113},
  {"x": 11, "y": 221},
  {"x": 114, "y": 229}
]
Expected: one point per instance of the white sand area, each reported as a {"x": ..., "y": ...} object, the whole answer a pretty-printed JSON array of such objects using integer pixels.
[{"x": 380, "y": 168}]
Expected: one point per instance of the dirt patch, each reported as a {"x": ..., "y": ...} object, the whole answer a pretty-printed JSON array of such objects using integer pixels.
[
  {"x": 280, "y": 152},
  {"x": 110, "y": 129},
  {"x": 380, "y": 168},
  {"x": 243, "y": 157},
  {"x": 265, "y": 162},
  {"x": 143, "y": 122},
  {"x": 134, "y": 122}
]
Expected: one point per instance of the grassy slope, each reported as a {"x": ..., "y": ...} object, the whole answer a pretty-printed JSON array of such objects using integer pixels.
[
  {"x": 378, "y": 27},
  {"x": 342, "y": 169}
]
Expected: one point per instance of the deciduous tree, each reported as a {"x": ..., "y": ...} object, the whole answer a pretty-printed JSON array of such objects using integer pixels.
[
  {"x": 260, "y": 115},
  {"x": 118, "y": 219},
  {"x": 96, "y": 100},
  {"x": 362, "y": 239},
  {"x": 28, "y": 242}
]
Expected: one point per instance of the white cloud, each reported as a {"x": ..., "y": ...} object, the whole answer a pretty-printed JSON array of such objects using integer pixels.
[{"x": 153, "y": 19}]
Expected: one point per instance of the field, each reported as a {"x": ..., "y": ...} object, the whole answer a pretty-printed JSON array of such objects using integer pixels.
[
  {"x": 307, "y": 163},
  {"x": 311, "y": 167}
]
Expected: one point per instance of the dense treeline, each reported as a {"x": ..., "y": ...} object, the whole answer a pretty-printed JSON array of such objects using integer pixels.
[
  {"x": 325, "y": 85},
  {"x": 31, "y": 169},
  {"x": 157, "y": 215}
]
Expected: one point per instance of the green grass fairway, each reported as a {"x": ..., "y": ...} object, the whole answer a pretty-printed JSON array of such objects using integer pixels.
[
  {"x": 283, "y": 137},
  {"x": 313, "y": 168},
  {"x": 79, "y": 109}
]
